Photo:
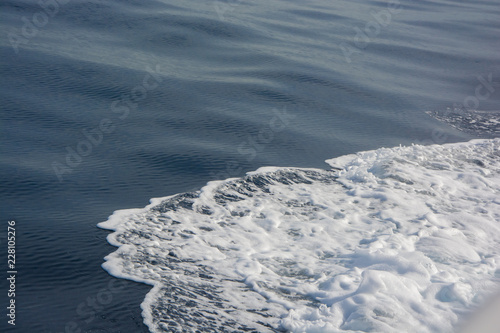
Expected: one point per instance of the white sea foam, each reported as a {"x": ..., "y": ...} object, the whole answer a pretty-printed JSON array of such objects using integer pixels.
[{"x": 393, "y": 240}]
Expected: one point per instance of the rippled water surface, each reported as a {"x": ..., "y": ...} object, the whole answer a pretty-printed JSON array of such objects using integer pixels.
[{"x": 106, "y": 104}]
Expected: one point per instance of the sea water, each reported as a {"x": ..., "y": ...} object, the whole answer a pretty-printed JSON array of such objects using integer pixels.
[{"x": 106, "y": 104}]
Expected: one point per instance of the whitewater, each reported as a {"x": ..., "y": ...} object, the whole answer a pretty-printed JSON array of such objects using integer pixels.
[{"x": 403, "y": 239}]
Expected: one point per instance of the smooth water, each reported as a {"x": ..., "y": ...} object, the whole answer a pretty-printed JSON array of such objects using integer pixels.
[{"x": 106, "y": 104}]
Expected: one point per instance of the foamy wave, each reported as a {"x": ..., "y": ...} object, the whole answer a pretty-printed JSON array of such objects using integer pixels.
[{"x": 393, "y": 240}]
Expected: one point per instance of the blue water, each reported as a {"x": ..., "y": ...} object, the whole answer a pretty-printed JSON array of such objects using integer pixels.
[{"x": 174, "y": 94}]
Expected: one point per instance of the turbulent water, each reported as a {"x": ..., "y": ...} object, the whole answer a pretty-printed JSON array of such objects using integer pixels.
[
  {"x": 472, "y": 121},
  {"x": 392, "y": 240}
]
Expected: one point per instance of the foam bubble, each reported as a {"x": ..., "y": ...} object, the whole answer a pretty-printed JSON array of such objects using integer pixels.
[{"x": 395, "y": 240}]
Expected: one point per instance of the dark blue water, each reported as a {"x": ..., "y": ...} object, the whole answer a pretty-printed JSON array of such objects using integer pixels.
[{"x": 106, "y": 104}]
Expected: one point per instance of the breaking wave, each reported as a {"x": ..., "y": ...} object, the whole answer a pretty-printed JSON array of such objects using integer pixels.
[{"x": 405, "y": 239}]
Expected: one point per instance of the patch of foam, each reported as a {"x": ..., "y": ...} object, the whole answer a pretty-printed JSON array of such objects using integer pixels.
[
  {"x": 393, "y": 240},
  {"x": 480, "y": 123}
]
